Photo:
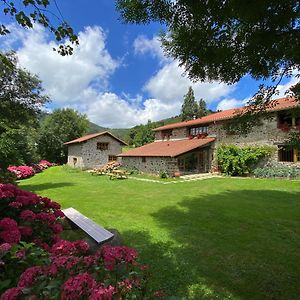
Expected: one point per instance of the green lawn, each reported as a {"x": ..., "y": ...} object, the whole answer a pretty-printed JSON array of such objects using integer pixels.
[{"x": 213, "y": 239}]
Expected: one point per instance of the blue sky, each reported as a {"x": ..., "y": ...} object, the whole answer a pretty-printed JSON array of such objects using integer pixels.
[{"x": 118, "y": 75}]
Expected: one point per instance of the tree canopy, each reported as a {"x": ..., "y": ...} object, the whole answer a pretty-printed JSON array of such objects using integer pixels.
[
  {"x": 43, "y": 12},
  {"x": 61, "y": 126},
  {"x": 21, "y": 99},
  {"x": 226, "y": 40},
  {"x": 189, "y": 108}
]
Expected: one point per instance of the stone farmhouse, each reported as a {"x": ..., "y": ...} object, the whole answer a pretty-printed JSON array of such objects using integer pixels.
[
  {"x": 94, "y": 150},
  {"x": 190, "y": 146}
]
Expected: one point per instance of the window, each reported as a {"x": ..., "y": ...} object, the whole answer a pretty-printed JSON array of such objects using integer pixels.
[
  {"x": 285, "y": 121},
  {"x": 143, "y": 159},
  {"x": 102, "y": 146},
  {"x": 74, "y": 161},
  {"x": 199, "y": 130},
  {"x": 285, "y": 154},
  {"x": 112, "y": 158},
  {"x": 166, "y": 134}
]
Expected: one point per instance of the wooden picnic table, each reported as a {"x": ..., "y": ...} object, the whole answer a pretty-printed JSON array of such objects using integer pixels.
[{"x": 120, "y": 174}]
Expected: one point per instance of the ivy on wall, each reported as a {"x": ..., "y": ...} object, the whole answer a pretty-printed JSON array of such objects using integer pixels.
[{"x": 238, "y": 161}]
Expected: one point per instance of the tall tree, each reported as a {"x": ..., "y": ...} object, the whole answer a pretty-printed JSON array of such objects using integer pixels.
[
  {"x": 202, "y": 108},
  {"x": 21, "y": 99},
  {"x": 189, "y": 108},
  {"x": 61, "y": 126},
  {"x": 226, "y": 40},
  {"x": 43, "y": 12}
]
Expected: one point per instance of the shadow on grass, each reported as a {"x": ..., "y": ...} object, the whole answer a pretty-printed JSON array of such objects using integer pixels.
[
  {"x": 45, "y": 186},
  {"x": 237, "y": 244}
]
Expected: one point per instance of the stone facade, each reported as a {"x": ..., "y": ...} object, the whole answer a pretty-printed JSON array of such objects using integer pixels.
[
  {"x": 177, "y": 134},
  {"x": 151, "y": 165},
  {"x": 85, "y": 155}
]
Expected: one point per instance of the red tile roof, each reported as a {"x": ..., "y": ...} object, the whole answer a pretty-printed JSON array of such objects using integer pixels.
[
  {"x": 168, "y": 148},
  {"x": 275, "y": 105},
  {"x": 91, "y": 136}
]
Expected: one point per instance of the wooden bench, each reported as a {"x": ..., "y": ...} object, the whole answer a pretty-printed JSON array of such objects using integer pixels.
[{"x": 98, "y": 233}]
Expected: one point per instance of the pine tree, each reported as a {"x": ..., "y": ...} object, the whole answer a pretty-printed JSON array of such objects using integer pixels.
[
  {"x": 202, "y": 108},
  {"x": 189, "y": 108}
]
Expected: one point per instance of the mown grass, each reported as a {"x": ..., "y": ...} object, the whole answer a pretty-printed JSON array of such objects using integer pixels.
[{"x": 213, "y": 239}]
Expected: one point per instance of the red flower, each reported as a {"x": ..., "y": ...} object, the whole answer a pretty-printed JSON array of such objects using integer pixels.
[
  {"x": 82, "y": 246},
  {"x": 11, "y": 294},
  {"x": 63, "y": 248},
  {"x": 102, "y": 293},
  {"x": 59, "y": 214},
  {"x": 11, "y": 236},
  {"x": 28, "y": 276},
  {"x": 21, "y": 254},
  {"x": 56, "y": 228},
  {"x": 27, "y": 215},
  {"x": 46, "y": 217},
  {"x": 78, "y": 287},
  {"x": 8, "y": 224},
  {"x": 54, "y": 205},
  {"x": 5, "y": 247},
  {"x": 15, "y": 204}
]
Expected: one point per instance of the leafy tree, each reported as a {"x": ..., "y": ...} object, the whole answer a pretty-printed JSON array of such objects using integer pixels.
[
  {"x": 202, "y": 108},
  {"x": 141, "y": 134},
  {"x": 226, "y": 40},
  {"x": 20, "y": 101},
  {"x": 189, "y": 109},
  {"x": 61, "y": 126},
  {"x": 28, "y": 12}
]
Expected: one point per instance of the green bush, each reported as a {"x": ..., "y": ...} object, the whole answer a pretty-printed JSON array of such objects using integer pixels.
[
  {"x": 163, "y": 174},
  {"x": 277, "y": 172},
  {"x": 237, "y": 161},
  {"x": 7, "y": 177}
]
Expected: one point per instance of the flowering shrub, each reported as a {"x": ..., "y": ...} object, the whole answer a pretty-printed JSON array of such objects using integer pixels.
[
  {"x": 111, "y": 273},
  {"x": 28, "y": 217},
  {"x": 45, "y": 163},
  {"x": 22, "y": 171},
  {"x": 35, "y": 263}
]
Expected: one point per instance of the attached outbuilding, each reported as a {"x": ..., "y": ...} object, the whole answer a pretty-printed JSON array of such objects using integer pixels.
[
  {"x": 184, "y": 156},
  {"x": 94, "y": 150}
]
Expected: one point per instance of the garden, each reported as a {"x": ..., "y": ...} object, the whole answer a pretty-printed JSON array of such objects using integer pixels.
[{"x": 200, "y": 240}]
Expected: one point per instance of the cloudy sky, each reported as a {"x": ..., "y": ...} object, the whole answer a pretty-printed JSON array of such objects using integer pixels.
[{"x": 118, "y": 75}]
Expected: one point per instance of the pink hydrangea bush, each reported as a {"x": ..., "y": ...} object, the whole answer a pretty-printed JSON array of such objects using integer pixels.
[
  {"x": 21, "y": 171},
  {"x": 111, "y": 273},
  {"x": 45, "y": 164},
  {"x": 35, "y": 263},
  {"x": 28, "y": 217}
]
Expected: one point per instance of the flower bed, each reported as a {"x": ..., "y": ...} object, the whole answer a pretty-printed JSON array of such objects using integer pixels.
[
  {"x": 35, "y": 263},
  {"x": 23, "y": 172}
]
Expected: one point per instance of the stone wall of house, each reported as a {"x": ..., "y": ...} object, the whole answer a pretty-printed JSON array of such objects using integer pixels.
[
  {"x": 177, "y": 133},
  {"x": 151, "y": 165},
  {"x": 266, "y": 134},
  {"x": 75, "y": 156},
  {"x": 89, "y": 156}
]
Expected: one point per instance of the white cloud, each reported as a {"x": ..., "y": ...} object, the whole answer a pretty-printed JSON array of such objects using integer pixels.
[
  {"x": 169, "y": 85},
  {"x": 283, "y": 88},
  {"x": 113, "y": 111},
  {"x": 229, "y": 103},
  {"x": 64, "y": 78},
  {"x": 81, "y": 81},
  {"x": 142, "y": 45}
]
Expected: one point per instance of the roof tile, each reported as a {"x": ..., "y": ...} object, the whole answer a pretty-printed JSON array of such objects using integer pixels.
[
  {"x": 275, "y": 105},
  {"x": 168, "y": 148},
  {"x": 91, "y": 136}
]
